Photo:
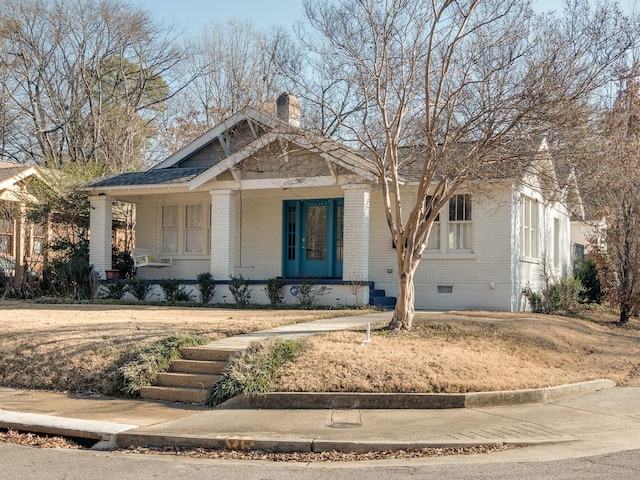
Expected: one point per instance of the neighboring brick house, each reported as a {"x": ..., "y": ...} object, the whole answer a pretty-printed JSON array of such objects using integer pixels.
[
  {"x": 260, "y": 197},
  {"x": 21, "y": 242}
]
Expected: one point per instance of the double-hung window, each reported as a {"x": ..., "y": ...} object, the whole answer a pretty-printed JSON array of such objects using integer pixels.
[
  {"x": 434, "y": 236},
  {"x": 193, "y": 228},
  {"x": 6, "y": 235},
  {"x": 452, "y": 229},
  {"x": 460, "y": 226},
  {"x": 183, "y": 228},
  {"x": 170, "y": 228},
  {"x": 529, "y": 218}
]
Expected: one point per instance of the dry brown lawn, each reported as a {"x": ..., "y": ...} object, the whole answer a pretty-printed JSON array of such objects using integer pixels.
[
  {"x": 75, "y": 348},
  {"x": 470, "y": 351}
]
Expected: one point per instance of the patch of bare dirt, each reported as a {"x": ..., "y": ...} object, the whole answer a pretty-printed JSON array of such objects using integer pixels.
[
  {"x": 468, "y": 352},
  {"x": 75, "y": 347}
]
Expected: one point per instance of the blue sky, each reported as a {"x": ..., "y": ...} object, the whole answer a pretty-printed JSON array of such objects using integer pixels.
[
  {"x": 195, "y": 13},
  {"x": 262, "y": 13}
]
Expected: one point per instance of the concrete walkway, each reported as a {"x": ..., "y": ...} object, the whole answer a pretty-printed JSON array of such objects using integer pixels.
[
  {"x": 599, "y": 422},
  {"x": 300, "y": 330}
]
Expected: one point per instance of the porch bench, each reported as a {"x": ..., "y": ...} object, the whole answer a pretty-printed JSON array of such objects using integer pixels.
[{"x": 146, "y": 257}]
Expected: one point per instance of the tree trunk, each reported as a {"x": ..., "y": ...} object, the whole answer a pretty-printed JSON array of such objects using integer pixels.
[
  {"x": 624, "y": 315},
  {"x": 405, "y": 305}
]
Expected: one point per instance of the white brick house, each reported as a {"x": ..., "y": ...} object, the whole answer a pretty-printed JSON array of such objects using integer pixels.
[{"x": 258, "y": 196}]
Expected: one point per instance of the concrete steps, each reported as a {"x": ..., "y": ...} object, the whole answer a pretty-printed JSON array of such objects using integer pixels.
[
  {"x": 207, "y": 354},
  {"x": 175, "y": 394},
  {"x": 215, "y": 367},
  {"x": 189, "y": 379},
  {"x": 378, "y": 298},
  {"x": 186, "y": 380}
]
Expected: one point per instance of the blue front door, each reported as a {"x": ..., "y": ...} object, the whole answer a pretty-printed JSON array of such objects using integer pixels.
[{"x": 313, "y": 238}]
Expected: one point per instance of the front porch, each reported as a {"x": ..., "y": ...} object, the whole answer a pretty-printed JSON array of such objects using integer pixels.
[{"x": 306, "y": 235}]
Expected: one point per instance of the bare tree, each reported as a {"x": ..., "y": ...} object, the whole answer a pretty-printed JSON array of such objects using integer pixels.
[
  {"x": 84, "y": 79},
  {"x": 461, "y": 83},
  {"x": 616, "y": 243},
  {"x": 230, "y": 66}
]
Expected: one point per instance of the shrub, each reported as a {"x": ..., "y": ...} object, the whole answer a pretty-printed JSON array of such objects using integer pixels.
[
  {"x": 308, "y": 293},
  {"x": 587, "y": 272},
  {"x": 123, "y": 262},
  {"x": 563, "y": 295},
  {"x": 239, "y": 288},
  {"x": 273, "y": 289},
  {"x": 559, "y": 296},
  {"x": 70, "y": 271},
  {"x": 116, "y": 289},
  {"x": 174, "y": 291},
  {"x": 142, "y": 368},
  {"x": 536, "y": 300},
  {"x": 255, "y": 370},
  {"x": 139, "y": 288},
  {"x": 207, "y": 286}
]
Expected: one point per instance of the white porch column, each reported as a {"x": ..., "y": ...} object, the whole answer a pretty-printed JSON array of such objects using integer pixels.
[
  {"x": 223, "y": 233},
  {"x": 21, "y": 249},
  {"x": 357, "y": 199},
  {"x": 100, "y": 224}
]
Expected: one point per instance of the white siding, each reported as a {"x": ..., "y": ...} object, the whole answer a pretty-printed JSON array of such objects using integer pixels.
[
  {"x": 480, "y": 278},
  {"x": 536, "y": 273}
]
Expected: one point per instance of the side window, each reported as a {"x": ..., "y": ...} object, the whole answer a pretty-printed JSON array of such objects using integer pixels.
[
  {"x": 460, "y": 226},
  {"x": 434, "y": 236},
  {"x": 529, "y": 231}
]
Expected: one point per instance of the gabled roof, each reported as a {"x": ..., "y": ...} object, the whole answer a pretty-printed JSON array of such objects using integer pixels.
[
  {"x": 327, "y": 148},
  {"x": 275, "y": 130}
]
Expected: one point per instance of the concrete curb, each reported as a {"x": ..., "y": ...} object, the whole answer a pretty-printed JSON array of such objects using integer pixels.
[
  {"x": 104, "y": 432},
  {"x": 307, "y": 445},
  {"x": 310, "y": 401}
]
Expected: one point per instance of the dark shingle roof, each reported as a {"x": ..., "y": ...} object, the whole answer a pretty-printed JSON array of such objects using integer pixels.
[{"x": 150, "y": 177}]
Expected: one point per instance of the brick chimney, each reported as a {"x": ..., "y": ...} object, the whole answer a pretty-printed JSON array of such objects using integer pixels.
[{"x": 288, "y": 108}]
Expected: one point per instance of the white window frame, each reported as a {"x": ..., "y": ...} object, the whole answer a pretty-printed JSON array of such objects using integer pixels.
[
  {"x": 173, "y": 228},
  {"x": 556, "y": 243},
  {"x": 440, "y": 241},
  {"x": 198, "y": 229},
  {"x": 434, "y": 241},
  {"x": 460, "y": 231},
  {"x": 181, "y": 231},
  {"x": 529, "y": 228}
]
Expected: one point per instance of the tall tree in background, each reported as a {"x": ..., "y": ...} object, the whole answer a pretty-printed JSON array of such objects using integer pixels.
[
  {"x": 83, "y": 81},
  {"x": 230, "y": 66},
  {"x": 463, "y": 81},
  {"x": 616, "y": 246}
]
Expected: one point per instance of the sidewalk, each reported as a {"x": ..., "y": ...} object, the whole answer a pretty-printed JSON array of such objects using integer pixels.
[{"x": 599, "y": 422}]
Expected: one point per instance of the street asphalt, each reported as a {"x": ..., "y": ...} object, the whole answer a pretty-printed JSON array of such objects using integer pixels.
[{"x": 565, "y": 422}]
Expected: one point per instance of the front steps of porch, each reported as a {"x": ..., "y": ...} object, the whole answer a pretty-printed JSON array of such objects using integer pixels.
[
  {"x": 378, "y": 298},
  {"x": 190, "y": 378}
]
